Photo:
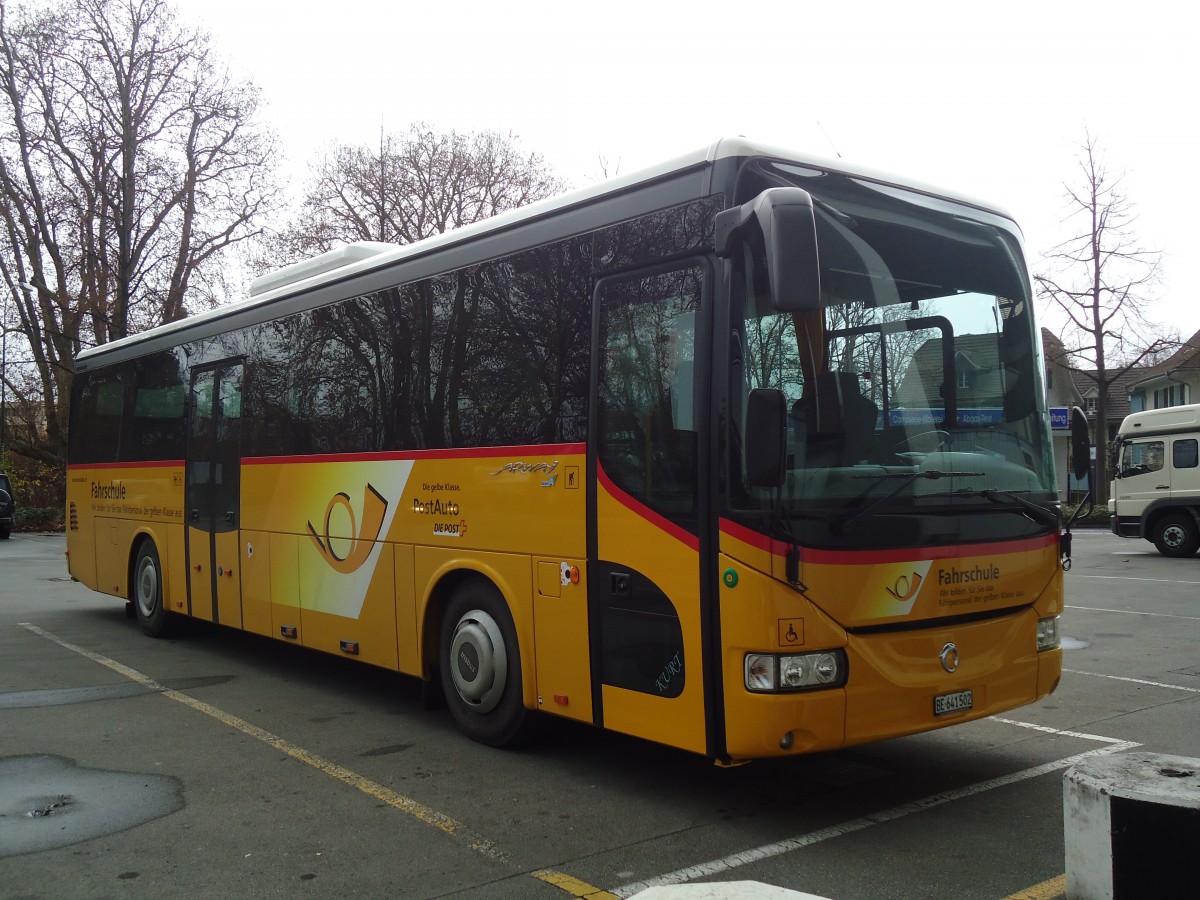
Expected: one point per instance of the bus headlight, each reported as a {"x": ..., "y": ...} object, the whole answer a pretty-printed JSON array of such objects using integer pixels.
[
  {"x": 1047, "y": 634},
  {"x": 760, "y": 672},
  {"x": 768, "y": 672}
]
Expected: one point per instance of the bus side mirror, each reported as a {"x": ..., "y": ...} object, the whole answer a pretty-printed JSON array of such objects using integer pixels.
[
  {"x": 786, "y": 219},
  {"x": 766, "y": 437},
  {"x": 1081, "y": 444}
]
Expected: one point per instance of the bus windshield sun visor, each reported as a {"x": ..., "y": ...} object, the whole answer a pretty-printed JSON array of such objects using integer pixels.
[{"x": 785, "y": 219}]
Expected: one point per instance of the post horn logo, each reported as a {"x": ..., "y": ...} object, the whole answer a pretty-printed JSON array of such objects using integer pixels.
[
  {"x": 906, "y": 589},
  {"x": 374, "y": 508}
]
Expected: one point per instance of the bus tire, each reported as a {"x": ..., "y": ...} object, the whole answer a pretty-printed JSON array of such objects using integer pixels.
[
  {"x": 481, "y": 665},
  {"x": 1176, "y": 535},
  {"x": 146, "y": 592}
]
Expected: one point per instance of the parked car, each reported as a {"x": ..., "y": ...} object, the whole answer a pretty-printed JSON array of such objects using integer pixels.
[{"x": 8, "y": 508}]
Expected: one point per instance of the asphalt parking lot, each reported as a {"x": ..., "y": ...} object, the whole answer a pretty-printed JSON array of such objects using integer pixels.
[{"x": 221, "y": 764}]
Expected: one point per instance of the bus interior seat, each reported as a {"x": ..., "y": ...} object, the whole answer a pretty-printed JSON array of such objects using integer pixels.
[{"x": 834, "y": 422}]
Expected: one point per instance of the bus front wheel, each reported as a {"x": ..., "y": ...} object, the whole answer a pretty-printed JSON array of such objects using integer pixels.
[
  {"x": 147, "y": 592},
  {"x": 481, "y": 665},
  {"x": 1176, "y": 535}
]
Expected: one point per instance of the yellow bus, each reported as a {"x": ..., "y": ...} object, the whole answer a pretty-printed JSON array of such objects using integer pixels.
[{"x": 747, "y": 454}]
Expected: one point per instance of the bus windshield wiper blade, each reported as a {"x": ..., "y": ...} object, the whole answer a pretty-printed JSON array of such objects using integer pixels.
[
  {"x": 841, "y": 524},
  {"x": 1045, "y": 515}
]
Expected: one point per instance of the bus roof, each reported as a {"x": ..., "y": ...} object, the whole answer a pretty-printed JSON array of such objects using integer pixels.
[{"x": 361, "y": 257}]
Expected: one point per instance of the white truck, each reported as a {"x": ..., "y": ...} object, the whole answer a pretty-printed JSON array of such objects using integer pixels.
[{"x": 1155, "y": 490}]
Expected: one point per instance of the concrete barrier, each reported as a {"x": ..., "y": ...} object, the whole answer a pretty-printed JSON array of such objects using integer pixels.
[{"x": 1131, "y": 824}]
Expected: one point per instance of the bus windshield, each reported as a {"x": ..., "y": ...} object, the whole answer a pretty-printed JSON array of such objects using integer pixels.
[{"x": 916, "y": 407}]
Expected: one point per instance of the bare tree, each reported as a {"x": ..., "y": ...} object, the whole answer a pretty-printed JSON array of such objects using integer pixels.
[
  {"x": 127, "y": 162},
  {"x": 1101, "y": 280},
  {"x": 412, "y": 186}
]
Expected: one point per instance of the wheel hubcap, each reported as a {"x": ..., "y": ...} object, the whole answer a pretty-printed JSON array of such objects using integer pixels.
[
  {"x": 478, "y": 661},
  {"x": 1173, "y": 536},
  {"x": 147, "y": 587}
]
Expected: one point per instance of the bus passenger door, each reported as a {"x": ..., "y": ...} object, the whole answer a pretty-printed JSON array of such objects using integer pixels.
[
  {"x": 213, "y": 503},
  {"x": 645, "y": 596}
]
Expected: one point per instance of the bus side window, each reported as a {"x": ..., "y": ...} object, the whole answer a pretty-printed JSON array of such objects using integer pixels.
[
  {"x": 157, "y": 427},
  {"x": 647, "y": 440},
  {"x": 101, "y": 417}
]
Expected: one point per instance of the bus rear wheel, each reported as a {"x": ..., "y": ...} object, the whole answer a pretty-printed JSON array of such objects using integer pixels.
[
  {"x": 1176, "y": 535},
  {"x": 481, "y": 665},
  {"x": 146, "y": 592}
]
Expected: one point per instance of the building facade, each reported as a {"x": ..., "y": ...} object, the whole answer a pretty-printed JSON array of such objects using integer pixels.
[{"x": 1174, "y": 382}]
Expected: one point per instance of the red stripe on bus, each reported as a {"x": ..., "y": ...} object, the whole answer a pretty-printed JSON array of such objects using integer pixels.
[
  {"x": 386, "y": 455},
  {"x": 809, "y": 554},
  {"x": 645, "y": 512},
  {"x": 752, "y": 537}
]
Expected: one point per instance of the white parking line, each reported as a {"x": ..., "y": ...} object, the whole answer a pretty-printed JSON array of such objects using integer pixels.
[
  {"x": 1136, "y": 612},
  {"x": 1172, "y": 687},
  {"x": 1132, "y": 578},
  {"x": 757, "y": 854},
  {"x": 679, "y": 876},
  {"x": 1046, "y": 729}
]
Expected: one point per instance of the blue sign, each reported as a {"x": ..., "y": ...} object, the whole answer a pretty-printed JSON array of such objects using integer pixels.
[
  {"x": 978, "y": 416},
  {"x": 1060, "y": 416}
]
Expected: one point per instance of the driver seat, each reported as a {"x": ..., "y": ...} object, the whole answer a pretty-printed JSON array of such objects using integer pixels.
[{"x": 834, "y": 421}]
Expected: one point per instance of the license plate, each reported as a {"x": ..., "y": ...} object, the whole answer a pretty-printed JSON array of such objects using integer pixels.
[{"x": 959, "y": 701}]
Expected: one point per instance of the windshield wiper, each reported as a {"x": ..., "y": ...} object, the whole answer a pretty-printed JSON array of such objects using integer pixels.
[
  {"x": 841, "y": 524},
  {"x": 1044, "y": 515}
]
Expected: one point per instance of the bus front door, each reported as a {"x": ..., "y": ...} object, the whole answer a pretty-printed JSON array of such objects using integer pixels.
[
  {"x": 214, "y": 494},
  {"x": 644, "y": 506}
]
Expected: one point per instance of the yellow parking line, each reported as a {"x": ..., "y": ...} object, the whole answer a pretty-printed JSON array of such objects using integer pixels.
[
  {"x": 573, "y": 886},
  {"x": 455, "y": 829},
  {"x": 405, "y": 804},
  {"x": 1047, "y": 890}
]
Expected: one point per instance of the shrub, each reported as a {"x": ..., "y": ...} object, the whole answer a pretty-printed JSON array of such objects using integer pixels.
[
  {"x": 33, "y": 518},
  {"x": 35, "y": 483},
  {"x": 1097, "y": 518}
]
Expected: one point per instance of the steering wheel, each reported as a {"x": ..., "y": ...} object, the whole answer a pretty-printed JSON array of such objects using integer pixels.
[{"x": 943, "y": 437}]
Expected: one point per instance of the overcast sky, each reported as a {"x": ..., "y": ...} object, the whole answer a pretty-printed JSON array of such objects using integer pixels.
[{"x": 990, "y": 99}]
